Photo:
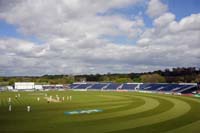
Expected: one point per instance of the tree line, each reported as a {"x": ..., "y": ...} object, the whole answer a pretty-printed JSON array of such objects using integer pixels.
[{"x": 175, "y": 75}]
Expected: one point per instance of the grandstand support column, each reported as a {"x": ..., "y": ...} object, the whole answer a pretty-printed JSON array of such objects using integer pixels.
[
  {"x": 118, "y": 88},
  {"x": 138, "y": 86}
]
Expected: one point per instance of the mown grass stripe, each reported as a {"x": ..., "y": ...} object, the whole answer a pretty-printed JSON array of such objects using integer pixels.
[
  {"x": 143, "y": 107},
  {"x": 15, "y": 102},
  {"x": 180, "y": 108},
  {"x": 163, "y": 106},
  {"x": 190, "y": 128},
  {"x": 50, "y": 118},
  {"x": 149, "y": 104},
  {"x": 4, "y": 102},
  {"x": 185, "y": 123}
]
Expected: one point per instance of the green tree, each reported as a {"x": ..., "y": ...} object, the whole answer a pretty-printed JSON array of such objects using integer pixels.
[
  {"x": 68, "y": 80},
  {"x": 123, "y": 80},
  {"x": 1, "y": 79},
  {"x": 197, "y": 78},
  {"x": 152, "y": 78},
  {"x": 12, "y": 81},
  {"x": 137, "y": 80},
  {"x": 104, "y": 79}
]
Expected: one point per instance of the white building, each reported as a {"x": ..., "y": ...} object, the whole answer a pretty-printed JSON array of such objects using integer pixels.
[
  {"x": 38, "y": 87},
  {"x": 24, "y": 85},
  {"x": 10, "y": 88}
]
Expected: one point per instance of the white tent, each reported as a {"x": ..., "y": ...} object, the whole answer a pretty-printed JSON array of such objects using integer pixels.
[{"x": 24, "y": 85}]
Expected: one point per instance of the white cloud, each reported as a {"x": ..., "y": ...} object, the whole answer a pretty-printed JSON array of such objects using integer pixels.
[
  {"x": 74, "y": 40},
  {"x": 49, "y": 18},
  {"x": 156, "y": 8},
  {"x": 188, "y": 23},
  {"x": 164, "y": 20}
]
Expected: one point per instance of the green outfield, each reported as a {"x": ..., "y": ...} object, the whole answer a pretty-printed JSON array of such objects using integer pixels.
[{"x": 121, "y": 112}]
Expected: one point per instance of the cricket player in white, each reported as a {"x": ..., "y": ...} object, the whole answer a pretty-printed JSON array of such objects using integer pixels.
[
  {"x": 9, "y": 99},
  {"x": 50, "y": 98},
  {"x": 58, "y": 98},
  {"x": 28, "y": 108},
  {"x": 63, "y": 98},
  {"x": 9, "y": 108},
  {"x": 70, "y": 98}
]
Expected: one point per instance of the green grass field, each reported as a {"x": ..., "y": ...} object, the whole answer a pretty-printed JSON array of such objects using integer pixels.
[{"x": 122, "y": 112}]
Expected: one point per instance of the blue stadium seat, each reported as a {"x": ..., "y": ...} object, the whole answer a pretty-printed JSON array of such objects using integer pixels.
[
  {"x": 177, "y": 88},
  {"x": 187, "y": 89},
  {"x": 128, "y": 86},
  {"x": 97, "y": 86},
  {"x": 112, "y": 86},
  {"x": 73, "y": 86},
  {"x": 83, "y": 86}
]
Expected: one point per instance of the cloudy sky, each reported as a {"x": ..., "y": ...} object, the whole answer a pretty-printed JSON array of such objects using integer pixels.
[{"x": 97, "y": 36}]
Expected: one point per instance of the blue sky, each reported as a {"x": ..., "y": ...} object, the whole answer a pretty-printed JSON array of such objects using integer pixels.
[
  {"x": 181, "y": 8},
  {"x": 9, "y": 30}
]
